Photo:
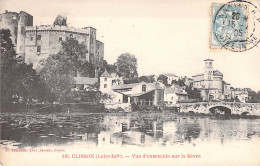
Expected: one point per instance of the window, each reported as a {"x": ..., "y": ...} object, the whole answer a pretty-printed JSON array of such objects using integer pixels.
[
  {"x": 22, "y": 29},
  {"x": 91, "y": 41},
  {"x": 39, "y": 37},
  {"x": 144, "y": 88},
  {"x": 105, "y": 79},
  {"x": 97, "y": 68},
  {"x": 97, "y": 53},
  {"x": 31, "y": 38},
  {"x": 38, "y": 49},
  {"x": 71, "y": 35},
  {"x": 98, "y": 46},
  {"x": 105, "y": 85},
  {"x": 92, "y": 32},
  {"x": 15, "y": 30},
  {"x": 60, "y": 39}
]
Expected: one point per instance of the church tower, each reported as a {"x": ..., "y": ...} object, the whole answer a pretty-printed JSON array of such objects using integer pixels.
[{"x": 208, "y": 72}]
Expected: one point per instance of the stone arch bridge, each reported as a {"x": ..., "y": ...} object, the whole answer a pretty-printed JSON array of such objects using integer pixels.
[{"x": 222, "y": 108}]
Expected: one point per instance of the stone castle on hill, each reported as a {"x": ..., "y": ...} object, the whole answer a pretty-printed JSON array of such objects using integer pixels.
[{"x": 34, "y": 43}]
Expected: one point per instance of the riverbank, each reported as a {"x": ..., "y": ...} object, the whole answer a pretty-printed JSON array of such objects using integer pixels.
[
  {"x": 219, "y": 116},
  {"x": 119, "y": 111}
]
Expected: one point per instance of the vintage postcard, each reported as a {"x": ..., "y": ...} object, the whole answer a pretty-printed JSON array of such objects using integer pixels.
[{"x": 120, "y": 82}]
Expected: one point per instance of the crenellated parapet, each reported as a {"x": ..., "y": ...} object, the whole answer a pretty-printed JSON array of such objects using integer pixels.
[{"x": 55, "y": 28}]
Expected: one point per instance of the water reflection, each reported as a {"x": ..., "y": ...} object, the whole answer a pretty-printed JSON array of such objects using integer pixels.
[{"x": 19, "y": 130}]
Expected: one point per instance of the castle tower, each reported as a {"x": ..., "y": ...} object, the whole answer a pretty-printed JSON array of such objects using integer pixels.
[
  {"x": 24, "y": 20},
  {"x": 91, "y": 43},
  {"x": 16, "y": 23},
  {"x": 9, "y": 20},
  {"x": 95, "y": 54},
  {"x": 208, "y": 72}
]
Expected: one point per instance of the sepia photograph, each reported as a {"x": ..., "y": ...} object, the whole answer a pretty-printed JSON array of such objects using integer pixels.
[{"x": 120, "y": 82}]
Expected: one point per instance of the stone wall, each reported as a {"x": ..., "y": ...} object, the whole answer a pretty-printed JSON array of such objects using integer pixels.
[
  {"x": 100, "y": 53},
  {"x": 236, "y": 108},
  {"x": 51, "y": 39}
]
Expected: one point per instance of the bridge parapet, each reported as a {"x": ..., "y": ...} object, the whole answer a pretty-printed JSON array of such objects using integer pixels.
[{"x": 235, "y": 107}]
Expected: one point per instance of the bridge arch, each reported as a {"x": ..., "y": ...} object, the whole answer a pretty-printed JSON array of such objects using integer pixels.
[
  {"x": 191, "y": 112},
  {"x": 245, "y": 113},
  {"x": 220, "y": 109}
]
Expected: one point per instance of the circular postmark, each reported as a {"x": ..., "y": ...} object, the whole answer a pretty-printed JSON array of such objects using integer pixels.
[{"x": 236, "y": 26}]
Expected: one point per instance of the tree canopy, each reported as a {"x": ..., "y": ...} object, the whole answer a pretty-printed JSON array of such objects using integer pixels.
[
  {"x": 57, "y": 73},
  {"x": 163, "y": 78},
  {"x": 147, "y": 79},
  {"x": 254, "y": 97},
  {"x": 127, "y": 65},
  {"x": 179, "y": 82},
  {"x": 193, "y": 93},
  {"x": 60, "y": 20},
  {"x": 18, "y": 80},
  {"x": 58, "y": 70},
  {"x": 75, "y": 52}
]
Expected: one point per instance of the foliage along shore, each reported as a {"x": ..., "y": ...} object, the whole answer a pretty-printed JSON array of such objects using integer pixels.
[{"x": 97, "y": 108}]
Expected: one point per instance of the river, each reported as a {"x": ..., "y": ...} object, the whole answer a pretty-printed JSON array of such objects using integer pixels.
[{"x": 19, "y": 130}]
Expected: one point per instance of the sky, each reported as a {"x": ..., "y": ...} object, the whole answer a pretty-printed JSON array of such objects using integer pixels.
[{"x": 165, "y": 36}]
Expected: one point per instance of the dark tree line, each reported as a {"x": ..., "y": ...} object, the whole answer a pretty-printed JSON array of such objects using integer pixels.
[
  {"x": 125, "y": 66},
  {"x": 19, "y": 81},
  {"x": 254, "y": 97},
  {"x": 58, "y": 70}
]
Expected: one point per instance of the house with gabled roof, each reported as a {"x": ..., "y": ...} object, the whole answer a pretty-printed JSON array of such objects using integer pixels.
[
  {"x": 107, "y": 80},
  {"x": 173, "y": 96},
  {"x": 83, "y": 83},
  {"x": 140, "y": 93},
  {"x": 171, "y": 77}
]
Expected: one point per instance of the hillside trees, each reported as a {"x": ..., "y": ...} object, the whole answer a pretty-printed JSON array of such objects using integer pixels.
[
  {"x": 18, "y": 80},
  {"x": 193, "y": 93},
  {"x": 127, "y": 65},
  {"x": 57, "y": 73},
  {"x": 60, "y": 20},
  {"x": 58, "y": 70},
  {"x": 254, "y": 96},
  {"x": 147, "y": 79},
  {"x": 163, "y": 78}
]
